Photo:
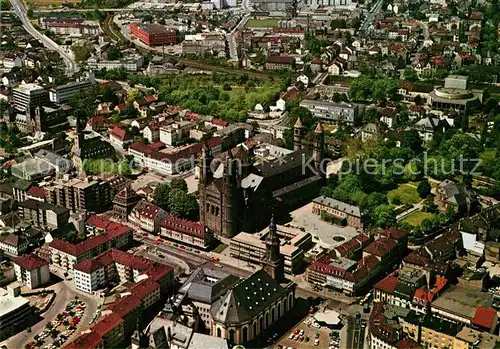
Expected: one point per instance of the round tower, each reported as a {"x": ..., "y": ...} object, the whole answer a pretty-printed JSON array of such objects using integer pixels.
[{"x": 298, "y": 134}]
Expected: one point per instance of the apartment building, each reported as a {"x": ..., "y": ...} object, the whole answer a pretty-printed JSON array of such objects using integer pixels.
[
  {"x": 14, "y": 311},
  {"x": 130, "y": 63},
  {"x": 31, "y": 271},
  {"x": 43, "y": 214},
  {"x": 13, "y": 244},
  {"x": 184, "y": 231},
  {"x": 147, "y": 216},
  {"x": 331, "y": 111},
  {"x": 106, "y": 235},
  {"x": 90, "y": 194}
]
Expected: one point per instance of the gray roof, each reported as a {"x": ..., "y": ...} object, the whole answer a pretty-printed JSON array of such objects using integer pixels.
[
  {"x": 52, "y": 158},
  {"x": 247, "y": 299},
  {"x": 338, "y": 205},
  {"x": 207, "y": 284}
]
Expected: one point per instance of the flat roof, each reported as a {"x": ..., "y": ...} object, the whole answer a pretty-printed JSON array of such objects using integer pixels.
[
  {"x": 28, "y": 87},
  {"x": 462, "y": 300},
  {"x": 486, "y": 340},
  {"x": 342, "y": 263},
  {"x": 255, "y": 241},
  {"x": 9, "y": 303}
]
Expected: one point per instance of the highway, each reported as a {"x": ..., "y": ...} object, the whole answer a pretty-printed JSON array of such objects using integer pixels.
[{"x": 19, "y": 9}]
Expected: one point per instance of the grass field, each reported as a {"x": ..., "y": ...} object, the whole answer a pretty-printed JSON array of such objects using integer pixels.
[
  {"x": 262, "y": 23},
  {"x": 417, "y": 217},
  {"x": 407, "y": 193}
]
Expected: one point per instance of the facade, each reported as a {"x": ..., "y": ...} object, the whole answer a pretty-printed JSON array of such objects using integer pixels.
[
  {"x": 63, "y": 93},
  {"x": 147, "y": 216},
  {"x": 331, "y": 111},
  {"x": 13, "y": 244},
  {"x": 184, "y": 231},
  {"x": 90, "y": 194},
  {"x": 43, "y": 214},
  {"x": 238, "y": 196},
  {"x": 124, "y": 202},
  {"x": 107, "y": 235},
  {"x": 280, "y": 63},
  {"x": 153, "y": 34},
  {"x": 89, "y": 146},
  {"x": 248, "y": 309},
  {"x": 29, "y": 96},
  {"x": 252, "y": 247},
  {"x": 14, "y": 311},
  {"x": 31, "y": 271},
  {"x": 112, "y": 265},
  {"x": 341, "y": 211}
]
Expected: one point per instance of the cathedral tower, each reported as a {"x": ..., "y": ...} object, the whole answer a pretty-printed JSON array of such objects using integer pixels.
[
  {"x": 318, "y": 149},
  {"x": 273, "y": 264},
  {"x": 298, "y": 134},
  {"x": 230, "y": 200}
]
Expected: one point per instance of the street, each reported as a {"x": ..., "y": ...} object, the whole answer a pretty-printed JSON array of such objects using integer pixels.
[
  {"x": 355, "y": 333},
  {"x": 65, "y": 292},
  {"x": 18, "y": 7},
  {"x": 375, "y": 10}
]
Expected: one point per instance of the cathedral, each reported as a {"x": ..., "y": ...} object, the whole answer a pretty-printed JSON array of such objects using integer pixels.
[{"x": 237, "y": 196}]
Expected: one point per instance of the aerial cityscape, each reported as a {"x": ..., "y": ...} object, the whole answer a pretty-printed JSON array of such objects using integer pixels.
[{"x": 231, "y": 174}]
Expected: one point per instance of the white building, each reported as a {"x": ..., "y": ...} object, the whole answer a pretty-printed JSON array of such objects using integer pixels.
[
  {"x": 63, "y": 93},
  {"x": 31, "y": 271},
  {"x": 14, "y": 310},
  {"x": 13, "y": 244}
]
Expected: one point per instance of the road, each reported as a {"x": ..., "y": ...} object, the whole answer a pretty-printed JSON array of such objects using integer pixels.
[
  {"x": 20, "y": 10},
  {"x": 231, "y": 37},
  {"x": 194, "y": 260},
  {"x": 376, "y": 9},
  {"x": 65, "y": 293},
  {"x": 355, "y": 334}
]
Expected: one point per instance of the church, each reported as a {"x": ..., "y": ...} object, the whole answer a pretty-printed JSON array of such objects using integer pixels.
[{"x": 237, "y": 196}]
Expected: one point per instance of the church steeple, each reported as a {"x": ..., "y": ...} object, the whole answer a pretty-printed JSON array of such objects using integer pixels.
[
  {"x": 206, "y": 163},
  {"x": 273, "y": 262},
  {"x": 298, "y": 134}
]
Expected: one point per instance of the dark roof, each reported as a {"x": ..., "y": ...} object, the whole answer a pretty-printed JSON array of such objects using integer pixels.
[
  {"x": 6, "y": 188},
  {"x": 283, "y": 164},
  {"x": 208, "y": 284},
  {"x": 247, "y": 299},
  {"x": 30, "y": 262}
]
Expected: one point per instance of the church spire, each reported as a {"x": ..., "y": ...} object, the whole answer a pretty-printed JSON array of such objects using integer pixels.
[{"x": 273, "y": 263}]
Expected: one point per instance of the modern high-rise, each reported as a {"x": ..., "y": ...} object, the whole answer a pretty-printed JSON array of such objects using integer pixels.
[
  {"x": 63, "y": 93},
  {"x": 29, "y": 96}
]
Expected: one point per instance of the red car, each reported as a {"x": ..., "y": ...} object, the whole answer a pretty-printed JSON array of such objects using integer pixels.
[
  {"x": 145, "y": 235},
  {"x": 182, "y": 246}
]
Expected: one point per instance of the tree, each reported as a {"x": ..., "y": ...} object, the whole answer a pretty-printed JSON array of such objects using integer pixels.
[
  {"x": 161, "y": 196},
  {"x": 384, "y": 216},
  {"x": 338, "y": 24},
  {"x": 114, "y": 53},
  {"x": 82, "y": 51},
  {"x": 410, "y": 74},
  {"x": 179, "y": 184},
  {"x": 429, "y": 205},
  {"x": 411, "y": 139},
  {"x": 423, "y": 189},
  {"x": 183, "y": 205}
]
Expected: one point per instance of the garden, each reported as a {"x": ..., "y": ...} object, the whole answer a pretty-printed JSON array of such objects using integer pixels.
[
  {"x": 405, "y": 193},
  {"x": 57, "y": 332}
]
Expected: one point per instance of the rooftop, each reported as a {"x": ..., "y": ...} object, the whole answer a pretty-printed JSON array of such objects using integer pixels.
[
  {"x": 30, "y": 262},
  {"x": 338, "y": 205},
  {"x": 9, "y": 303},
  {"x": 462, "y": 300}
]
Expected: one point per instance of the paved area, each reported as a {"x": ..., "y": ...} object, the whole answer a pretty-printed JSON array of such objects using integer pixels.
[
  {"x": 310, "y": 333},
  {"x": 146, "y": 179},
  {"x": 323, "y": 231},
  {"x": 65, "y": 292}
]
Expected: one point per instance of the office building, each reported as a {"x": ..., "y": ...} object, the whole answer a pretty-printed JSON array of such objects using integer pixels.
[
  {"x": 63, "y": 93},
  {"x": 14, "y": 310},
  {"x": 153, "y": 34},
  {"x": 29, "y": 96},
  {"x": 331, "y": 111}
]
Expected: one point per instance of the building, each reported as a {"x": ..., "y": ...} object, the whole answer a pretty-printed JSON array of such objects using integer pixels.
[
  {"x": 153, "y": 34},
  {"x": 89, "y": 146},
  {"x": 238, "y": 196},
  {"x": 249, "y": 308},
  {"x": 274, "y": 5},
  {"x": 457, "y": 196},
  {"x": 119, "y": 137},
  {"x": 115, "y": 265},
  {"x": 107, "y": 235},
  {"x": 90, "y": 194},
  {"x": 469, "y": 338},
  {"x": 63, "y": 93},
  {"x": 280, "y": 63},
  {"x": 31, "y": 271},
  {"x": 338, "y": 212},
  {"x": 130, "y": 63},
  {"x": 124, "y": 202},
  {"x": 184, "y": 231},
  {"x": 70, "y": 26},
  {"x": 14, "y": 311},
  {"x": 147, "y": 216},
  {"x": 13, "y": 244},
  {"x": 203, "y": 288},
  {"x": 43, "y": 215},
  {"x": 333, "y": 112},
  {"x": 29, "y": 96},
  {"x": 252, "y": 247}
]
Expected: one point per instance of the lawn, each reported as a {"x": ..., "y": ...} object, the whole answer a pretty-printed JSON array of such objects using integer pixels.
[
  {"x": 407, "y": 193},
  {"x": 417, "y": 217},
  {"x": 262, "y": 23}
]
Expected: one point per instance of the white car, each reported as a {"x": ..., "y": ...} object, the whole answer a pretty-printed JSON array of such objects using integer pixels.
[
  {"x": 291, "y": 336},
  {"x": 316, "y": 342}
]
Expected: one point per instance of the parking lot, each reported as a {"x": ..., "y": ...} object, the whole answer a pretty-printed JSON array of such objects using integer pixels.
[{"x": 294, "y": 339}]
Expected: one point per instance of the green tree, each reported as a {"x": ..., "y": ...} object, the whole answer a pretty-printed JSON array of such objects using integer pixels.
[
  {"x": 161, "y": 196},
  {"x": 411, "y": 139},
  {"x": 423, "y": 189},
  {"x": 183, "y": 205},
  {"x": 384, "y": 216},
  {"x": 410, "y": 74},
  {"x": 179, "y": 184}
]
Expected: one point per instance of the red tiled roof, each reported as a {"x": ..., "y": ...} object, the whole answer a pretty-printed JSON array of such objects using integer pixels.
[
  {"x": 280, "y": 59},
  {"x": 183, "y": 225},
  {"x": 125, "y": 305},
  {"x": 484, "y": 317},
  {"x": 120, "y": 133},
  {"x": 157, "y": 145},
  {"x": 88, "y": 266},
  {"x": 142, "y": 289},
  {"x": 387, "y": 284},
  {"x": 150, "y": 99},
  {"x": 219, "y": 122},
  {"x": 36, "y": 192},
  {"x": 88, "y": 340},
  {"x": 395, "y": 234},
  {"x": 159, "y": 271},
  {"x": 408, "y": 343},
  {"x": 113, "y": 256},
  {"x": 30, "y": 262},
  {"x": 98, "y": 120},
  {"x": 380, "y": 247},
  {"x": 107, "y": 323},
  {"x": 112, "y": 230}
]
